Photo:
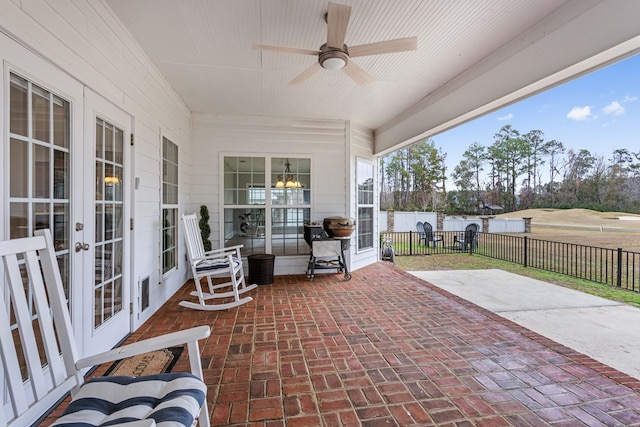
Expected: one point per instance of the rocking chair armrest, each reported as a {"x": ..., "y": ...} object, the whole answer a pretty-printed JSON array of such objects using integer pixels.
[
  {"x": 220, "y": 254},
  {"x": 223, "y": 256},
  {"x": 223, "y": 250},
  {"x": 145, "y": 346}
]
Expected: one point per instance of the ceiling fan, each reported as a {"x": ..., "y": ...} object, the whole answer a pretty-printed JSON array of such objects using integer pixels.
[{"x": 336, "y": 55}]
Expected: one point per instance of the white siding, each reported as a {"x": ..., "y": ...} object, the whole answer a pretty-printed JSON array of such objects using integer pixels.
[
  {"x": 85, "y": 40},
  {"x": 323, "y": 140}
]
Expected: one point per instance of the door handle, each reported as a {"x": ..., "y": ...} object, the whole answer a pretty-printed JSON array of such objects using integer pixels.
[{"x": 82, "y": 246}]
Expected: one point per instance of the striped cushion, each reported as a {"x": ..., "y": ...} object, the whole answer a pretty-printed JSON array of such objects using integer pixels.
[
  {"x": 207, "y": 265},
  {"x": 172, "y": 400}
]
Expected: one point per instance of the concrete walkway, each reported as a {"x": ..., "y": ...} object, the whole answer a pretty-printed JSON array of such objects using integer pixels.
[{"x": 605, "y": 330}]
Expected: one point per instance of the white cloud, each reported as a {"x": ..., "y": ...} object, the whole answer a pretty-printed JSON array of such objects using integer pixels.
[
  {"x": 614, "y": 108},
  {"x": 506, "y": 117},
  {"x": 579, "y": 113},
  {"x": 629, "y": 98}
]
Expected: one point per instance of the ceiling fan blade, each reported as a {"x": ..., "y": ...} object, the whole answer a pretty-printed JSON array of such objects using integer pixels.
[
  {"x": 386, "y": 46},
  {"x": 337, "y": 22},
  {"x": 285, "y": 49},
  {"x": 306, "y": 74},
  {"x": 359, "y": 75}
]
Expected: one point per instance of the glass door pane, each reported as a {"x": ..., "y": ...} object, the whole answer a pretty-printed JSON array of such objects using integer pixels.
[
  {"x": 245, "y": 197},
  {"x": 37, "y": 168},
  {"x": 107, "y": 288},
  {"x": 39, "y": 171},
  {"x": 291, "y": 201}
]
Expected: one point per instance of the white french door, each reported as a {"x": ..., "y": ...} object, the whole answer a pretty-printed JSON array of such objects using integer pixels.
[
  {"x": 107, "y": 292},
  {"x": 63, "y": 173}
]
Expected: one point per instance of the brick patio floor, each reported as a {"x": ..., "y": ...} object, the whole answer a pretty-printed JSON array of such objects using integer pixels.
[{"x": 387, "y": 349}]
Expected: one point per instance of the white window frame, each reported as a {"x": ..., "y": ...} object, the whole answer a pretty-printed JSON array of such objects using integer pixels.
[
  {"x": 269, "y": 207},
  {"x": 360, "y": 163},
  {"x": 169, "y": 206}
]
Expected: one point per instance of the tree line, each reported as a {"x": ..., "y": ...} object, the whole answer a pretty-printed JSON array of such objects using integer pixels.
[{"x": 517, "y": 171}]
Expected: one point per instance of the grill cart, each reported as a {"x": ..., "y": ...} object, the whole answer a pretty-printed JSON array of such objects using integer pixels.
[{"x": 327, "y": 251}]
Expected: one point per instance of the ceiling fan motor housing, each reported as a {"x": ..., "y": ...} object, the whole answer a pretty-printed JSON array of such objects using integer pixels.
[{"x": 333, "y": 58}]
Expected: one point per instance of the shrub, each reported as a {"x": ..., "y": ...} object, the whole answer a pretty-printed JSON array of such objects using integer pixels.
[{"x": 205, "y": 230}]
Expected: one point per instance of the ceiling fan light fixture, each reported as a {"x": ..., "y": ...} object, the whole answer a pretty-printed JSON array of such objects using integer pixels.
[
  {"x": 333, "y": 63},
  {"x": 331, "y": 58}
]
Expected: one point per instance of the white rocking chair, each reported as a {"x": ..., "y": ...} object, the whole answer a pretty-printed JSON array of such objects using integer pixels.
[
  {"x": 40, "y": 363},
  {"x": 226, "y": 262}
]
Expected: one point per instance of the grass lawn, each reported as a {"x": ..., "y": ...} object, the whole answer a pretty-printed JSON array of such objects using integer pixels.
[{"x": 477, "y": 262}]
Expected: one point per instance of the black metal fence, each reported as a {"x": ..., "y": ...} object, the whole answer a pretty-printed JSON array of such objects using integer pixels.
[{"x": 615, "y": 267}]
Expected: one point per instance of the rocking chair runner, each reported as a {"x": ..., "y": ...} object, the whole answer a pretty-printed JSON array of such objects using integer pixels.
[
  {"x": 225, "y": 262},
  {"x": 40, "y": 363}
]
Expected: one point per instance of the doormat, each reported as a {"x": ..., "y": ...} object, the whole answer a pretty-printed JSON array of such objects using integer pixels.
[{"x": 155, "y": 362}]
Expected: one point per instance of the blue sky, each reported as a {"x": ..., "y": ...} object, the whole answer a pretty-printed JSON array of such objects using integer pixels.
[{"x": 599, "y": 112}]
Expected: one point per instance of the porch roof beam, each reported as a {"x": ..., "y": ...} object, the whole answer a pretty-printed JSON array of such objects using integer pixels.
[{"x": 581, "y": 37}]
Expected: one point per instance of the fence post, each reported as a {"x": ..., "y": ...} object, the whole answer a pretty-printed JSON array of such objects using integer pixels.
[
  {"x": 526, "y": 251},
  {"x": 619, "y": 272},
  {"x": 410, "y": 242}
]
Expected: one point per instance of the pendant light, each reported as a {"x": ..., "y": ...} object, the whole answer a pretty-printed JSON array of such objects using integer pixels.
[{"x": 287, "y": 180}]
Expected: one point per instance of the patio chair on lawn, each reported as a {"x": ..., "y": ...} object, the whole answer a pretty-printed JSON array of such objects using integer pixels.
[
  {"x": 40, "y": 363},
  {"x": 432, "y": 238},
  {"x": 420, "y": 230},
  {"x": 225, "y": 262}
]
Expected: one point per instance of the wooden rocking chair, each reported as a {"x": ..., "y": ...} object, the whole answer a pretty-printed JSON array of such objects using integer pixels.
[
  {"x": 40, "y": 363},
  {"x": 226, "y": 262}
]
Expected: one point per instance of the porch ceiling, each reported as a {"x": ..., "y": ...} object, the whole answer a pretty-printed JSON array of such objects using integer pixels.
[{"x": 477, "y": 55}]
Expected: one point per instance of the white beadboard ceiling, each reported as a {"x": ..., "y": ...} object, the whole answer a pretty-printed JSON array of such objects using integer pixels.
[{"x": 204, "y": 49}]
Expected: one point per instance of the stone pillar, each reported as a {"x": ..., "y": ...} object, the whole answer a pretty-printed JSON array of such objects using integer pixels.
[
  {"x": 485, "y": 223},
  {"x": 390, "y": 220},
  {"x": 439, "y": 220},
  {"x": 527, "y": 225}
]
